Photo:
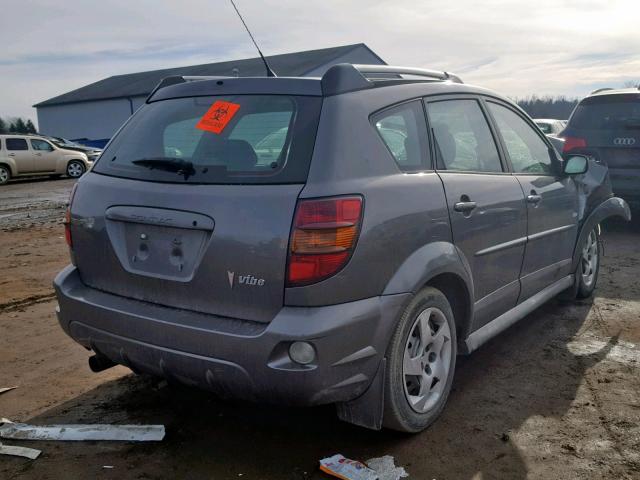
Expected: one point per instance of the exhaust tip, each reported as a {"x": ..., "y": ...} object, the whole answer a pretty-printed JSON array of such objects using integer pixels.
[{"x": 99, "y": 363}]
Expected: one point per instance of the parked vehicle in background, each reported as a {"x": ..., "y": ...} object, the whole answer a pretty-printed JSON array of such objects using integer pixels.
[
  {"x": 29, "y": 155},
  {"x": 91, "y": 152},
  {"x": 550, "y": 126},
  {"x": 606, "y": 125},
  {"x": 336, "y": 240}
]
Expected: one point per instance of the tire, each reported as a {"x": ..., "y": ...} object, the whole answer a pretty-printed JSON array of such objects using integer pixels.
[
  {"x": 406, "y": 409},
  {"x": 5, "y": 174},
  {"x": 75, "y": 169},
  {"x": 589, "y": 265}
]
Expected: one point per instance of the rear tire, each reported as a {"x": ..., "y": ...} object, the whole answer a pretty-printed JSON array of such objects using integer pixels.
[
  {"x": 589, "y": 265},
  {"x": 75, "y": 169},
  {"x": 5, "y": 174},
  {"x": 421, "y": 359}
]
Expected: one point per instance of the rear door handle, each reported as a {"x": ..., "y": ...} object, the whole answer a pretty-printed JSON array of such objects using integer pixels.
[
  {"x": 464, "y": 207},
  {"x": 533, "y": 198},
  {"x": 12, "y": 154}
]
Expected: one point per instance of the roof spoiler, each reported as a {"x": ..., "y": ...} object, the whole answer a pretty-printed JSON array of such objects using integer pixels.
[
  {"x": 347, "y": 77},
  {"x": 176, "y": 79}
]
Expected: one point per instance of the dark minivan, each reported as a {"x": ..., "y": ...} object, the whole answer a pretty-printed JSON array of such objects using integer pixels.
[
  {"x": 308, "y": 241},
  {"x": 606, "y": 125}
]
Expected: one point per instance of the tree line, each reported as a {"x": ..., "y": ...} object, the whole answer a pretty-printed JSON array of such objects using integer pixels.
[
  {"x": 548, "y": 107},
  {"x": 17, "y": 125}
]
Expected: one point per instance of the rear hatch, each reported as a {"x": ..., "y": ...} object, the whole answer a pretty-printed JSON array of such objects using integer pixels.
[
  {"x": 609, "y": 126},
  {"x": 191, "y": 204}
]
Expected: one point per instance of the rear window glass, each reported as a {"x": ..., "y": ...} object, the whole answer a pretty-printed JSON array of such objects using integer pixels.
[
  {"x": 608, "y": 112},
  {"x": 232, "y": 139}
]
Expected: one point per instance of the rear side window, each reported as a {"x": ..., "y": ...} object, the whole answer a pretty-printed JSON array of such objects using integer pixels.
[
  {"x": 607, "y": 112},
  {"x": 233, "y": 139},
  {"x": 462, "y": 136},
  {"x": 404, "y": 131},
  {"x": 527, "y": 151},
  {"x": 16, "y": 144}
]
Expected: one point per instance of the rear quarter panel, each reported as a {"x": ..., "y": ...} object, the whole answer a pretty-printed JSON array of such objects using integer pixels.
[{"x": 402, "y": 212}]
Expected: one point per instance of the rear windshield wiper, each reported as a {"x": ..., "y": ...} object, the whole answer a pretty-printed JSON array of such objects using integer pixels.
[{"x": 169, "y": 164}]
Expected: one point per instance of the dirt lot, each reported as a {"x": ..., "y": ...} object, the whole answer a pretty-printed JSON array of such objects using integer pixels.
[{"x": 557, "y": 396}]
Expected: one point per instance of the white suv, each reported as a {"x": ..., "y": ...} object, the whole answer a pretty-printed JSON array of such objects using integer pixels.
[{"x": 27, "y": 155}]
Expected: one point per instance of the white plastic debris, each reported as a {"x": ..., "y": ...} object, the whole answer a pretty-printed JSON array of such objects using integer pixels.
[
  {"x": 6, "y": 389},
  {"x": 31, "y": 453},
  {"x": 123, "y": 433},
  {"x": 342, "y": 467},
  {"x": 386, "y": 469}
]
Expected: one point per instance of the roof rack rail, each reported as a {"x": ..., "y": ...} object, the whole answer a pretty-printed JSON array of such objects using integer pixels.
[
  {"x": 346, "y": 77},
  {"x": 388, "y": 70},
  {"x": 601, "y": 90}
]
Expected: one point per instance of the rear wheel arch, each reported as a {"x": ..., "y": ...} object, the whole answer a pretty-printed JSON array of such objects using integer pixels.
[
  {"x": 7, "y": 167},
  {"x": 12, "y": 168},
  {"x": 455, "y": 288}
]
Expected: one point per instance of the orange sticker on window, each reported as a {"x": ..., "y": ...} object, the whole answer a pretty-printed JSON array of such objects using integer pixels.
[{"x": 218, "y": 116}]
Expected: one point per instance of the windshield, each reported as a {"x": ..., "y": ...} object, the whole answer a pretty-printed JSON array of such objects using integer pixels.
[
  {"x": 608, "y": 112},
  {"x": 231, "y": 139}
]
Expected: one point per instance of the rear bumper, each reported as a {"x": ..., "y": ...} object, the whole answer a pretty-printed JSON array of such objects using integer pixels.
[{"x": 235, "y": 358}]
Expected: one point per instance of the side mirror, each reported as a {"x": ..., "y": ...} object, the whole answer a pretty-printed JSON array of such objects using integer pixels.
[{"x": 576, "y": 165}]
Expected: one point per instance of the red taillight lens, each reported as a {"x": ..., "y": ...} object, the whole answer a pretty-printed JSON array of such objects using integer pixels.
[
  {"x": 571, "y": 143},
  {"x": 323, "y": 237},
  {"x": 67, "y": 218}
]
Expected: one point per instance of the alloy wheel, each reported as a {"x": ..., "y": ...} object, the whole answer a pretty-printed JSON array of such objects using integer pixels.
[
  {"x": 427, "y": 360},
  {"x": 75, "y": 170}
]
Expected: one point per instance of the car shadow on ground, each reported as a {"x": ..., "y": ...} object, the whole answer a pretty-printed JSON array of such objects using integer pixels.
[{"x": 526, "y": 372}]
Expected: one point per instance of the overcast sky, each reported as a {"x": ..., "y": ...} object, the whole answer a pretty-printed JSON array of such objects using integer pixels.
[{"x": 559, "y": 47}]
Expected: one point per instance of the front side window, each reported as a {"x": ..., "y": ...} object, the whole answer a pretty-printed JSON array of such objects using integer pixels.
[
  {"x": 233, "y": 139},
  {"x": 16, "y": 144},
  {"x": 527, "y": 151},
  {"x": 403, "y": 130},
  {"x": 41, "y": 145},
  {"x": 462, "y": 137}
]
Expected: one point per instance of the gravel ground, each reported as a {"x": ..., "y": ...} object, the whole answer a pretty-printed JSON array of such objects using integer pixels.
[{"x": 556, "y": 396}]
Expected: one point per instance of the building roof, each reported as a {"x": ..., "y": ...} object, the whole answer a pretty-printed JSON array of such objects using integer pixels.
[{"x": 142, "y": 83}]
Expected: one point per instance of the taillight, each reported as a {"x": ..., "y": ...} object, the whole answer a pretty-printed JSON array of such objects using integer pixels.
[
  {"x": 67, "y": 218},
  {"x": 323, "y": 237},
  {"x": 571, "y": 143}
]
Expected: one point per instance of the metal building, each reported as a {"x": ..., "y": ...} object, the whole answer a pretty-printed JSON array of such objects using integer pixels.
[{"x": 94, "y": 112}]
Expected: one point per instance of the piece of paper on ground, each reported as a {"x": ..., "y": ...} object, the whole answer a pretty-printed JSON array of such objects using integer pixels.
[
  {"x": 386, "y": 469},
  {"x": 6, "y": 389},
  {"x": 124, "y": 433},
  {"x": 31, "y": 453}
]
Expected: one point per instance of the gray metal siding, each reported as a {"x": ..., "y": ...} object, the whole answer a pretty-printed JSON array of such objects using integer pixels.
[{"x": 92, "y": 120}]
